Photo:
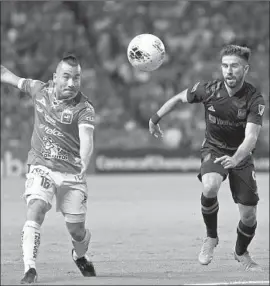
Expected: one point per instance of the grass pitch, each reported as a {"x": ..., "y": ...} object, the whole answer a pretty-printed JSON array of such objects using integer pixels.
[{"x": 146, "y": 230}]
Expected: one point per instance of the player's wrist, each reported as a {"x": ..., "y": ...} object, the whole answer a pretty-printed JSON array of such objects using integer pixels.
[
  {"x": 155, "y": 118},
  {"x": 20, "y": 83}
]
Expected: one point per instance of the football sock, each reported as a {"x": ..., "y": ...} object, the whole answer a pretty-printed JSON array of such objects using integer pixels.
[
  {"x": 244, "y": 237},
  {"x": 209, "y": 208},
  {"x": 30, "y": 244},
  {"x": 81, "y": 247}
]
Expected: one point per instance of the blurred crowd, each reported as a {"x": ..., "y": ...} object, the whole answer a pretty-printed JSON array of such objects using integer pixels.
[{"x": 34, "y": 36}]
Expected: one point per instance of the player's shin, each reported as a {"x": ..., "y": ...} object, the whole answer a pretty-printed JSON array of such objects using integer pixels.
[
  {"x": 244, "y": 236},
  {"x": 209, "y": 208},
  {"x": 30, "y": 244},
  {"x": 81, "y": 247}
]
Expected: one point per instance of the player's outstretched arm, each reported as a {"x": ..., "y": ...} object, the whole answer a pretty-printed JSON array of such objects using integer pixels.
[
  {"x": 8, "y": 77},
  {"x": 165, "y": 109},
  {"x": 86, "y": 145}
]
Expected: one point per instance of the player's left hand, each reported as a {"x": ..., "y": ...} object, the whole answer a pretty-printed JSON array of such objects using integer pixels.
[
  {"x": 226, "y": 161},
  {"x": 81, "y": 175},
  {"x": 155, "y": 130}
]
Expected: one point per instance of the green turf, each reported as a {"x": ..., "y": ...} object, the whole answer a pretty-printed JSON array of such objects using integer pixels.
[{"x": 146, "y": 229}]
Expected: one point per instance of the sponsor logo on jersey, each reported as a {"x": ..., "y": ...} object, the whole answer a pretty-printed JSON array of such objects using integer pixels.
[
  {"x": 218, "y": 121},
  {"x": 66, "y": 117},
  {"x": 52, "y": 150},
  {"x": 42, "y": 101},
  {"x": 261, "y": 109},
  {"x": 51, "y": 131},
  {"x": 49, "y": 119},
  {"x": 242, "y": 113},
  {"x": 211, "y": 108},
  {"x": 195, "y": 87}
]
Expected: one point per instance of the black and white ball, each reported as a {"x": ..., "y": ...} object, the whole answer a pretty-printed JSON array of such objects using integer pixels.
[{"x": 146, "y": 52}]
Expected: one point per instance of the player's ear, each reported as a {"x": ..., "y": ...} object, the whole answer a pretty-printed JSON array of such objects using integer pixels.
[{"x": 246, "y": 69}]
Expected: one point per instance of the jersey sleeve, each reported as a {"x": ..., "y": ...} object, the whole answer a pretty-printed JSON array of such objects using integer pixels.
[
  {"x": 256, "y": 110},
  {"x": 196, "y": 93},
  {"x": 30, "y": 86},
  {"x": 87, "y": 115}
]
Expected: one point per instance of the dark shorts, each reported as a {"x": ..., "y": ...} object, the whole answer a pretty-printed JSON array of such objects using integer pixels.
[{"x": 242, "y": 178}]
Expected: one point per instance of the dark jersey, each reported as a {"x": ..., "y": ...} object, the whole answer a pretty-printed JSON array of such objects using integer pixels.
[
  {"x": 226, "y": 116},
  {"x": 55, "y": 141}
]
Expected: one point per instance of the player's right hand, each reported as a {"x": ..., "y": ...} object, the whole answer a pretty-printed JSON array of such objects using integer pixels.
[{"x": 155, "y": 130}]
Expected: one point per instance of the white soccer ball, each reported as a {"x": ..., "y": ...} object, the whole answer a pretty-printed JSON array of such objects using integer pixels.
[{"x": 146, "y": 52}]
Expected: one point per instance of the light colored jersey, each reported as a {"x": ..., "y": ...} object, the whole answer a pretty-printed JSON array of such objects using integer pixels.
[{"x": 55, "y": 141}]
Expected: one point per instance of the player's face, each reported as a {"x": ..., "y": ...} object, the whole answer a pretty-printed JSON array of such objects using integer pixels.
[
  {"x": 234, "y": 70},
  {"x": 67, "y": 81}
]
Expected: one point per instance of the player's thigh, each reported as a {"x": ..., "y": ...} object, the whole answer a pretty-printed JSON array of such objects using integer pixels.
[
  {"x": 211, "y": 184},
  {"x": 208, "y": 157},
  {"x": 243, "y": 185},
  {"x": 71, "y": 200},
  {"x": 211, "y": 174},
  {"x": 39, "y": 185}
]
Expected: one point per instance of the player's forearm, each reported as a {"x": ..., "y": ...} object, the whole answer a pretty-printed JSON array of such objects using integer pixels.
[
  {"x": 245, "y": 149},
  {"x": 86, "y": 151},
  {"x": 9, "y": 77},
  {"x": 169, "y": 106}
]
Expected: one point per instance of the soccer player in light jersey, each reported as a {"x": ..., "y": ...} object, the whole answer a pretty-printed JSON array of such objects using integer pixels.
[
  {"x": 61, "y": 148},
  {"x": 233, "y": 116}
]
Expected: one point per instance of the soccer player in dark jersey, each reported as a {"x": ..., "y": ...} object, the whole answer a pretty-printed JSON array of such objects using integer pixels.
[
  {"x": 233, "y": 116},
  {"x": 61, "y": 148}
]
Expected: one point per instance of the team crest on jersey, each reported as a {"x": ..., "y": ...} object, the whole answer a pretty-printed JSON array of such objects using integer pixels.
[
  {"x": 261, "y": 109},
  {"x": 52, "y": 150},
  {"x": 242, "y": 113},
  {"x": 67, "y": 116}
]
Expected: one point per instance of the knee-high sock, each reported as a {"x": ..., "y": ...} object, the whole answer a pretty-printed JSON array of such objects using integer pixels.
[
  {"x": 209, "y": 208},
  {"x": 81, "y": 247},
  {"x": 244, "y": 236},
  {"x": 30, "y": 244}
]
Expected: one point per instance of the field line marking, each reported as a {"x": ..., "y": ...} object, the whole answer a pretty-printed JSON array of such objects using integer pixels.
[{"x": 233, "y": 283}]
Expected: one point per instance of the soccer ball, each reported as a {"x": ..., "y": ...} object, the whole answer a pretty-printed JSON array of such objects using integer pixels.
[{"x": 146, "y": 52}]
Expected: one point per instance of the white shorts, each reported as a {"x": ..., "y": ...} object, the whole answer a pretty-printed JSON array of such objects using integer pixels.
[{"x": 70, "y": 190}]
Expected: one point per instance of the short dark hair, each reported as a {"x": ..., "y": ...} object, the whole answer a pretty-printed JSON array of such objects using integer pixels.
[
  {"x": 70, "y": 59},
  {"x": 242, "y": 52}
]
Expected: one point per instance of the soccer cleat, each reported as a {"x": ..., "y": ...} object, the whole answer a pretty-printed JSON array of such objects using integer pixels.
[
  {"x": 248, "y": 263},
  {"x": 207, "y": 250},
  {"x": 30, "y": 276},
  {"x": 85, "y": 265}
]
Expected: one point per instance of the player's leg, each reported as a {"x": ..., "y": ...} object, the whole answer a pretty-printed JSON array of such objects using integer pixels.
[
  {"x": 244, "y": 191},
  {"x": 211, "y": 176},
  {"x": 38, "y": 195},
  {"x": 72, "y": 202},
  {"x": 80, "y": 237}
]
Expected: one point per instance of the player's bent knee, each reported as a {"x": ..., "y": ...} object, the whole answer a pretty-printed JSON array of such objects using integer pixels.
[
  {"x": 36, "y": 209},
  {"x": 248, "y": 214},
  {"x": 211, "y": 184},
  {"x": 76, "y": 230}
]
